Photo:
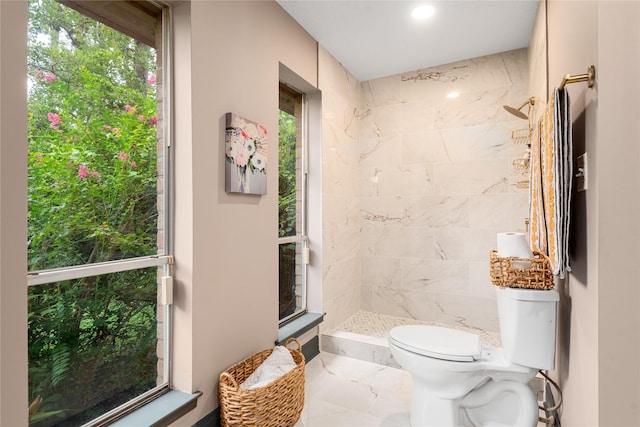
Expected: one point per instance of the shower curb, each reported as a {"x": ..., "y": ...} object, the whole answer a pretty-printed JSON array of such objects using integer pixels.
[{"x": 358, "y": 346}]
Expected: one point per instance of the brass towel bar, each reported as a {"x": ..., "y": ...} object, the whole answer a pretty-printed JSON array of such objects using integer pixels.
[{"x": 589, "y": 77}]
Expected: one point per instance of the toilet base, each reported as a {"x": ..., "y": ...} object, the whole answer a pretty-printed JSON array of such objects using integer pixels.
[
  {"x": 428, "y": 410},
  {"x": 495, "y": 403}
]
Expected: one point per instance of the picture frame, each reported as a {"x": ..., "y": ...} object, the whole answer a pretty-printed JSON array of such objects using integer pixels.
[{"x": 246, "y": 147}]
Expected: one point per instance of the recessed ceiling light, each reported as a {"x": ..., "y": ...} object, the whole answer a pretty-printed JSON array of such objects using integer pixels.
[
  {"x": 422, "y": 12},
  {"x": 452, "y": 95}
]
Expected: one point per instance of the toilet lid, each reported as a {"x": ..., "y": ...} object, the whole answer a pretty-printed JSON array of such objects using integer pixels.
[{"x": 440, "y": 343}]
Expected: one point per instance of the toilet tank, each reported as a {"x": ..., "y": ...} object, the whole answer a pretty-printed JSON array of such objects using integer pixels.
[{"x": 528, "y": 326}]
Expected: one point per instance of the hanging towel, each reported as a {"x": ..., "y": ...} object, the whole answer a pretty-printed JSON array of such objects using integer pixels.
[
  {"x": 565, "y": 160},
  {"x": 537, "y": 225},
  {"x": 551, "y": 182}
]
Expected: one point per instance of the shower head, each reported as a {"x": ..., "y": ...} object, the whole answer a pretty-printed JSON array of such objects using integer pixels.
[{"x": 516, "y": 111}]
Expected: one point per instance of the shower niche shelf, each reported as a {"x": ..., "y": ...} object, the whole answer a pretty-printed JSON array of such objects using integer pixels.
[{"x": 521, "y": 136}]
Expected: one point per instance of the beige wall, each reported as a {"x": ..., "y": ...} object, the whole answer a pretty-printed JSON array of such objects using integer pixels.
[
  {"x": 618, "y": 137},
  {"x": 13, "y": 213},
  {"x": 598, "y": 339},
  {"x": 618, "y": 140},
  {"x": 571, "y": 50},
  {"x": 227, "y": 60}
]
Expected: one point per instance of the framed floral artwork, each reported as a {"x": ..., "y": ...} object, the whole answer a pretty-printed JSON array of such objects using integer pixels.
[{"x": 246, "y": 156}]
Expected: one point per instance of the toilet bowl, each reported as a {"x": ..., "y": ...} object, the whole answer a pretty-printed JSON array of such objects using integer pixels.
[
  {"x": 457, "y": 381},
  {"x": 452, "y": 389}
]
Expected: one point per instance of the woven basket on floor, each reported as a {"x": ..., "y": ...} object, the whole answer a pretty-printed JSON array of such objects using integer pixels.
[
  {"x": 278, "y": 404},
  {"x": 504, "y": 271}
]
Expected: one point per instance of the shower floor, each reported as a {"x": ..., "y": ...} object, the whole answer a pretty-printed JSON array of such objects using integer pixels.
[
  {"x": 364, "y": 336},
  {"x": 374, "y": 324},
  {"x": 379, "y": 325}
]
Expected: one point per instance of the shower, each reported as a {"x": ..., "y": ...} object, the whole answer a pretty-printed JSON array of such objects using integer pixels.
[{"x": 516, "y": 111}]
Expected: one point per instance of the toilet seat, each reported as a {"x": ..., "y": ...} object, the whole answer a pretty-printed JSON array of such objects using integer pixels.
[{"x": 437, "y": 342}]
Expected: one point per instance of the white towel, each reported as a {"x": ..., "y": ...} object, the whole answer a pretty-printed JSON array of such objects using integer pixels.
[{"x": 276, "y": 365}]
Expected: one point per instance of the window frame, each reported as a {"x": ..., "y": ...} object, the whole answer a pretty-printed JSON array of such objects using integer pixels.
[
  {"x": 302, "y": 235},
  {"x": 164, "y": 258}
]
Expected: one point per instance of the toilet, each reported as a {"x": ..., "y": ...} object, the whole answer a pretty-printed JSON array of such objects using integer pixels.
[{"x": 458, "y": 381}]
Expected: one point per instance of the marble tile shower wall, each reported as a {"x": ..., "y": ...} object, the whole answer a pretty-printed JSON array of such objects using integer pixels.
[
  {"x": 340, "y": 193},
  {"x": 437, "y": 183}
]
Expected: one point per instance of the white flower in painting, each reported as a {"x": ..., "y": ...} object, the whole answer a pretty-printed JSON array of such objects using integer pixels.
[
  {"x": 258, "y": 162},
  {"x": 238, "y": 122},
  {"x": 250, "y": 145},
  {"x": 251, "y": 130}
]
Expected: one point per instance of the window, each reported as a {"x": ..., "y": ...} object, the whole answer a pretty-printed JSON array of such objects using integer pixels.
[
  {"x": 98, "y": 241},
  {"x": 292, "y": 203}
]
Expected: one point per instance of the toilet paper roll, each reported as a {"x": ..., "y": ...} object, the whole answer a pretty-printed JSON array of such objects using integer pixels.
[{"x": 514, "y": 245}]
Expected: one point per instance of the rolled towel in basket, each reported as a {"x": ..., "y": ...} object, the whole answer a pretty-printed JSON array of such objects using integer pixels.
[{"x": 277, "y": 364}]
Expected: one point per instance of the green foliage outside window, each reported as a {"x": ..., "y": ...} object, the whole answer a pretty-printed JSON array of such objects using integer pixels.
[
  {"x": 92, "y": 194},
  {"x": 287, "y": 174},
  {"x": 287, "y": 211}
]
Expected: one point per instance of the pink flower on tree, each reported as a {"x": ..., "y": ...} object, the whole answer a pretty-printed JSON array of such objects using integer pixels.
[
  {"x": 153, "y": 121},
  {"x": 49, "y": 77},
  {"x": 123, "y": 156},
  {"x": 54, "y": 120},
  {"x": 83, "y": 171},
  {"x": 133, "y": 165},
  {"x": 152, "y": 79},
  {"x": 141, "y": 118}
]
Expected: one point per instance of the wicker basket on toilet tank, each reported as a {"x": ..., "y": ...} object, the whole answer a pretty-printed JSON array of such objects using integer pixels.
[
  {"x": 278, "y": 404},
  {"x": 512, "y": 272}
]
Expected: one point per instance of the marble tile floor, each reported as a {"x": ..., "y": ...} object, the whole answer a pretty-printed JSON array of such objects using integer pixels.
[{"x": 347, "y": 392}]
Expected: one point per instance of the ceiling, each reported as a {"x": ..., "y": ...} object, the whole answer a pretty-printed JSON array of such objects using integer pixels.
[{"x": 378, "y": 38}]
